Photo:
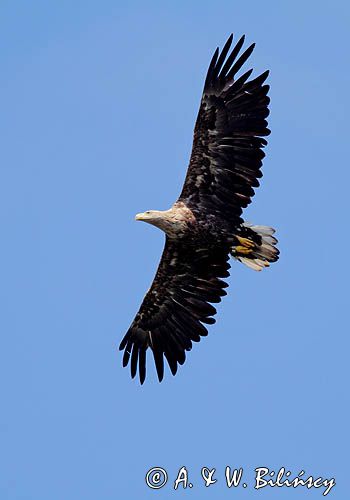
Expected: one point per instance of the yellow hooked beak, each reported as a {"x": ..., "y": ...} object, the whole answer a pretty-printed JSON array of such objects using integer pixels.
[{"x": 140, "y": 216}]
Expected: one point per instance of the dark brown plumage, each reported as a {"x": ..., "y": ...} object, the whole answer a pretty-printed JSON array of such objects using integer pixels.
[{"x": 204, "y": 227}]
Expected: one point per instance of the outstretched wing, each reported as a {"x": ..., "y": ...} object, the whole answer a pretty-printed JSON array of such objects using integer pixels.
[
  {"x": 227, "y": 148},
  {"x": 173, "y": 311}
]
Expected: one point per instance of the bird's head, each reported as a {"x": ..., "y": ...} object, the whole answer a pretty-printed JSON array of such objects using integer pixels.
[
  {"x": 151, "y": 216},
  {"x": 173, "y": 222},
  {"x": 163, "y": 219}
]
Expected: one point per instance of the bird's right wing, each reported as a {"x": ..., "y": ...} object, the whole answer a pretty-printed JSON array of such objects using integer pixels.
[{"x": 173, "y": 310}]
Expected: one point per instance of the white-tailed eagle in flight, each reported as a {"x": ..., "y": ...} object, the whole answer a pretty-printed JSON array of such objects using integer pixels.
[{"x": 205, "y": 227}]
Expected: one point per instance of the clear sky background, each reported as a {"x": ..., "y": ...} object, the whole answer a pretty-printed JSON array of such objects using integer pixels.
[{"x": 98, "y": 103}]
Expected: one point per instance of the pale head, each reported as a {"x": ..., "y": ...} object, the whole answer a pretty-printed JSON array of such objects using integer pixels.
[
  {"x": 150, "y": 216},
  {"x": 158, "y": 218},
  {"x": 173, "y": 221}
]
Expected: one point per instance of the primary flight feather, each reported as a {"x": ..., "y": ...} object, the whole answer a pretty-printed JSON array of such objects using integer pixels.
[{"x": 204, "y": 227}]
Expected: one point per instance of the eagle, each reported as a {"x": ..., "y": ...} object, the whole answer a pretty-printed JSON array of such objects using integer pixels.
[{"x": 204, "y": 227}]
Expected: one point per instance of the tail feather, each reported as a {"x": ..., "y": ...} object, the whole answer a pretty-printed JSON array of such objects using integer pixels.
[{"x": 257, "y": 248}]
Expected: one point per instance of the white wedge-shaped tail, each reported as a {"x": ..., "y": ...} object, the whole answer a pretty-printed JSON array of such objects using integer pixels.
[{"x": 256, "y": 250}]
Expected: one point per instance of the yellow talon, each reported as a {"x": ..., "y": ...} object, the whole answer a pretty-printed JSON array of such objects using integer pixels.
[
  {"x": 243, "y": 250},
  {"x": 245, "y": 242}
]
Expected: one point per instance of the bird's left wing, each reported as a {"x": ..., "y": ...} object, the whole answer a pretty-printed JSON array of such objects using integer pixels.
[
  {"x": 227, "y": 146},
  {"x": 173, "y": 310}
]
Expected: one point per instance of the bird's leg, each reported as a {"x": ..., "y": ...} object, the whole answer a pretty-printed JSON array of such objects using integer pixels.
[{"x": 246, "y": 246}]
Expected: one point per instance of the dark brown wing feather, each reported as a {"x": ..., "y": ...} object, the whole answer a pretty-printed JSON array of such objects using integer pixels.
[
  {"x": 173, "y": 311},
  {"x": 227, "y": 148}
]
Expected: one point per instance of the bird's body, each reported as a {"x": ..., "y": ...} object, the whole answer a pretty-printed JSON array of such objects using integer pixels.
[{"x": 204, "y": 227}]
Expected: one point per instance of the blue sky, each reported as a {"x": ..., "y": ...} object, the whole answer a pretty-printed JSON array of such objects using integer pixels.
[{"x": 98, "y": 104}]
